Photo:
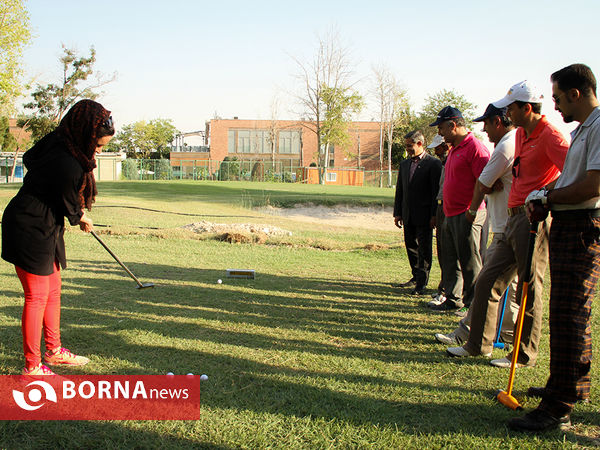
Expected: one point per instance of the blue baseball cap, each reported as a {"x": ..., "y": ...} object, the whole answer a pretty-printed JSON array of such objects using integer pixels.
[
  {"x": 447, "y": 113},
  {"x": 491, "y": 111}
]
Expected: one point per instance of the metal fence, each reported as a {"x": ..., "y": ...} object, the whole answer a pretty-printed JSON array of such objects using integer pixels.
[
  {"x": 283, "y": 171},
  {"x": 6, "y": 165}
]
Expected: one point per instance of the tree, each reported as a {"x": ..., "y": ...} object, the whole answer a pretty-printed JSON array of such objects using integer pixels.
[
  {"x": 52, "y": 101},
  {"x": 434, "y": 104},
  {"x": 329, "y": 68},
  {"x": 141, "y": 139},
  {"x": 15, "y": 34},
  {"x": 339, "y": 105},
  {"x": 8, "y": 143},
  {"x": 394, "y": 112},
  {"x": 273, "y": 129}
]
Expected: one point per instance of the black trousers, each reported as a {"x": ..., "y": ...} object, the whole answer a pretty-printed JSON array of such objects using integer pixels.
[{"x": 417, "y": 240}]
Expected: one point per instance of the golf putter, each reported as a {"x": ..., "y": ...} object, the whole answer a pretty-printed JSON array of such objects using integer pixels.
[
  {"x": 506, "y": 397},
  {"x": 497, "y": 343},
  {"x": 140, "y": 285}
]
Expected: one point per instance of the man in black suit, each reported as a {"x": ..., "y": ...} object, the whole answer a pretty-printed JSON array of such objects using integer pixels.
[{"x": 415, "y": 207}]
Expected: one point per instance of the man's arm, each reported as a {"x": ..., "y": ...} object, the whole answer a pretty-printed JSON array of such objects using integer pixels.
[
  {"x": 578, "y": 192},
  {"x": 398, "y": 200},
  {"x": 479, "y": 193}
]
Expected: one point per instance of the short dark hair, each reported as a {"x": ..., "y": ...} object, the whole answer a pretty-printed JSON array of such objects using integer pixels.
[
  {"x": 505, "y": 121},
  {"x": 535, "y": 107},
  {"x": 459, "y": 122},
  {"x": 415, "y": 136},
  {"x": 575, "y": 76}
]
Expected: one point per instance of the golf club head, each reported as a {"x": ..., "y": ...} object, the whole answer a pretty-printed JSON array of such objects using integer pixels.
[
  {"x": 499, "y": 345},
  {"x": 145, "y": 285},
  {"x": 508, "y": 400}
]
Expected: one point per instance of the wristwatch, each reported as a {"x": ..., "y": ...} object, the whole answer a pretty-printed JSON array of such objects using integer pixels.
[{"x": 473, "y": 212}]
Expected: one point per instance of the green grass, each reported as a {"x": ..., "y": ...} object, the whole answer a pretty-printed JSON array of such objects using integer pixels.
[{"x": 318, "y": 351}]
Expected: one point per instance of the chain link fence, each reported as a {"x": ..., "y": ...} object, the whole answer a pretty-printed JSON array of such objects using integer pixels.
[{"x": 282, "y": 171}]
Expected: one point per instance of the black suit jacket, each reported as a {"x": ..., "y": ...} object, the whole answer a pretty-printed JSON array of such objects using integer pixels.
[{"x": 416, "y": 200}]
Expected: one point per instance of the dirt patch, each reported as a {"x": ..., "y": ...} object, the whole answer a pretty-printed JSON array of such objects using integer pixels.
[
  {"x": 236, "y": 228},
  {"x": 371, "y": 217}
]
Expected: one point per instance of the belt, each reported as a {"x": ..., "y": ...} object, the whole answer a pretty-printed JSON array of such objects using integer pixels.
[
  {"x": 440, "y": 202},
  {"x": 576, "y": 214},
  {"x": 516, "y": 210}
]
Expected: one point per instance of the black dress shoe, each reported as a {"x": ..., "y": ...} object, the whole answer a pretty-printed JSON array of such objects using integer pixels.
[
  {"x": 409, "y": 284},
  {"x": 418, "y": 291},
  {"x": 539, "y": 420}
]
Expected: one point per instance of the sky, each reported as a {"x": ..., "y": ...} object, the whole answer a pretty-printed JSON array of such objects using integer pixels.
[{"x": 190, "y": 61}]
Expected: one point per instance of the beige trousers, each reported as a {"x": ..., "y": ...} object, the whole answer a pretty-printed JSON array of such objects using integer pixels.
[{"x": 507, "y": 261}]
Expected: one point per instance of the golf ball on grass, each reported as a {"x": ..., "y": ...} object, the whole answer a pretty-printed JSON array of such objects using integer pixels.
[
  {"x": 203, "y": 377},
  {"x": 190, "y": 374},
  {"x": 219, "y": 281},
  {"x": 170, "y": 374}
]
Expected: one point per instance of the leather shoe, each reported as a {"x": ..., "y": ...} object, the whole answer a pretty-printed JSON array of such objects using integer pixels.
[
  {"x": 539, "y": 420},
  {"x": 409, "y": 284},
  {"x": 418, "y": 291}
]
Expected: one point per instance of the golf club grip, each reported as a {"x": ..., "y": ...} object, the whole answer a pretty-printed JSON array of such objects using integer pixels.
[
  {"x": 93, "y": 233},
  {"x": 532, "y": 236}
]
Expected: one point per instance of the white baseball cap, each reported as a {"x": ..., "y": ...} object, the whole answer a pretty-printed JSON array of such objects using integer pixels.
[
  {"x": 525, "y": 91},
  {"x": 437, "y": 140}
]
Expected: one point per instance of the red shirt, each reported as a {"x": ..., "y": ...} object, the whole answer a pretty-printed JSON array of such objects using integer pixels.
[
  {"x": 463, "y": 166},
  {"x": 540, "y": 159}
]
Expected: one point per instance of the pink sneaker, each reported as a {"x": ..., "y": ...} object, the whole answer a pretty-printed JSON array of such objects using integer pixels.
[
  {"x": 39, "y": 370},
  {"x": 64, "y": 356}
]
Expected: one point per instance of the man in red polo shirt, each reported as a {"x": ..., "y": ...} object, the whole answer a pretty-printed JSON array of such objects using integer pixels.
[
  {"x": 540, "y": 151},
  {"x": 464, "y": 164}
]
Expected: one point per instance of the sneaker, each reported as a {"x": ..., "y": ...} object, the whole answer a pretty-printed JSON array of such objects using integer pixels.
[
  {"x": 462, "y": 312},
  {"x": 449, "y": 339},
  {"x": 437, "y": 300},
  {"x": 64, "y": 356},
  {"x": 461, "y": 352},
  {"x": 539, "y": 420},
  {"x": 446, "y": 305},
  {"x": 38, "y": 371},
  {"x": 504, "y": 363}
]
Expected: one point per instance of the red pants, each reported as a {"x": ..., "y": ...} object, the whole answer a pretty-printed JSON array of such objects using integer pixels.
[{"x": 41, "y": 310}]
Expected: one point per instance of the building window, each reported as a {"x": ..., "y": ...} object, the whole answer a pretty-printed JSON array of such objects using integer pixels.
[
  {"x": 289, "y": 142},
  {"x": 331, "y": 176},
  {"x": 248, "y": 141}
]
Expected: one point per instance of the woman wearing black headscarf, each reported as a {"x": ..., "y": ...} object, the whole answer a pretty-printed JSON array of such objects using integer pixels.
[{"x": 59, "y": 183}]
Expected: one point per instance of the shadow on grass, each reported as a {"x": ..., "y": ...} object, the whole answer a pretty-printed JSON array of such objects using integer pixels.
[{"x": 357, "y": 323}]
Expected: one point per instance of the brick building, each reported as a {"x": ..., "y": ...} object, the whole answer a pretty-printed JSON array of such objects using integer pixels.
[{"x": 295, "y": 143}]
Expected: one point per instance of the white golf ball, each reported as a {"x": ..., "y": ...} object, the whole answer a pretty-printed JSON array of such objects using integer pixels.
[
  {"x": 190, "y": 374},
  {"x": 204, "y": 377},
  {"x": 170, "y": 374},
  {"x": 219, "y": 281}
]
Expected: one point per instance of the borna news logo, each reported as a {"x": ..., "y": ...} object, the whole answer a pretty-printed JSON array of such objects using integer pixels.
[
  {"x": 100, "y": 397},
  {"x": 34, "y": 396}
]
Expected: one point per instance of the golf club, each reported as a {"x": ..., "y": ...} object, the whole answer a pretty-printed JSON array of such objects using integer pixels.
[
  {"x": 140, "y": 285},
  {"x": 506, "y": 397},
  {"x": 497, "y": 343}
]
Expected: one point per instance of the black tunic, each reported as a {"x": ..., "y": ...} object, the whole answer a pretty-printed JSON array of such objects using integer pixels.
[{"x": 33, "y": 222}]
